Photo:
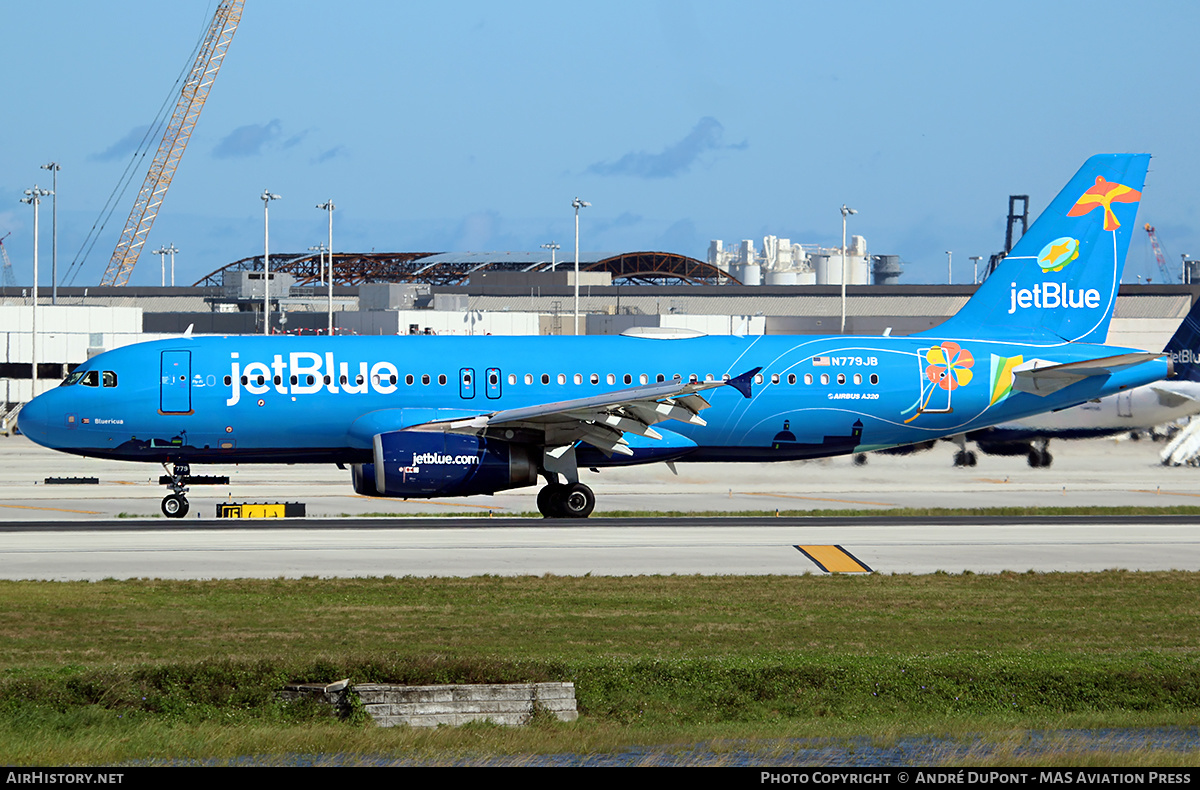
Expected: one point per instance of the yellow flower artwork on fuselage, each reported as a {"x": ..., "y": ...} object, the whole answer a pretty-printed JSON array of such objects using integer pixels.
[{"x": 949, "y": 365}]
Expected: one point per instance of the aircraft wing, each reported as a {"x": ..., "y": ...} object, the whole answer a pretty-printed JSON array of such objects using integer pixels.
[
  {"x": 601, "y": 420},
  {"x": 1039, "y": 377}
]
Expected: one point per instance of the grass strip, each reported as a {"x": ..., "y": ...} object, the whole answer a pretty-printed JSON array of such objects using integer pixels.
[{"x": 152, "y": 669}]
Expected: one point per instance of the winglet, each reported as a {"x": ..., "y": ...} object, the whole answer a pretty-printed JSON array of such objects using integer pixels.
[{"x": 742, "y": 383}]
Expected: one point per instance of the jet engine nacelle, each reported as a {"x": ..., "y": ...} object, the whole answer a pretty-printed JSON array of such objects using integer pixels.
[{"x": 429, "y": 464}]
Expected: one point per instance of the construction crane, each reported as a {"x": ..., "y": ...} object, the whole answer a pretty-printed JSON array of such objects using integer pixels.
[
  {"x": 9, "y": 280},
  {"x": 1159, "y": 255},
  {"x": 175, "y": 139}
]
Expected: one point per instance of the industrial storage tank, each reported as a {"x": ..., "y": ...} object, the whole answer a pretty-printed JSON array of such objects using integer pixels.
[
  {"x": 828, "y": 264},
  {"x": 886, "y": 269},
  {"x": 751, "y": 274}
]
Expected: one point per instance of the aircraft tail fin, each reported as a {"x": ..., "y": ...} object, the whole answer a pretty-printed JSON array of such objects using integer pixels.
[
  {"x": 1183, "y": 348},
  {"x": 1060, "y": 281}
]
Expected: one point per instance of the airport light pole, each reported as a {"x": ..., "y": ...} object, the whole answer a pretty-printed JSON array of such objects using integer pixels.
[
  {"x": 949, "y": 267},
  {"x": 53, "y": 167},
  {"x": 328, "y": 206},
  {"x": 552, "y": 246},
  {"x": 33, "y": 197},
  {"x": 846, "y": 211},
  {"x": 975, "y": 274},
  {"x": 171, "y": 249},
  {"x": 577, "y": 204},
  {"x": 161, "y": 252},
  {"x": 267, "y": 197},
  {"x": 320, "y": 248}
]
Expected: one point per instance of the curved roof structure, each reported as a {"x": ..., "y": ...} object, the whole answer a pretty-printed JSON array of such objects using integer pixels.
[{"x": 451, "y": 268}]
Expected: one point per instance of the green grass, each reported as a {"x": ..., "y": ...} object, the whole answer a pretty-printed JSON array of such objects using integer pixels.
[{"x": 151, "y": 669}]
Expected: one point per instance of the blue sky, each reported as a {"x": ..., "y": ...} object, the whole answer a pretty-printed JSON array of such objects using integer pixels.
[{"x": 470, "y": 126}]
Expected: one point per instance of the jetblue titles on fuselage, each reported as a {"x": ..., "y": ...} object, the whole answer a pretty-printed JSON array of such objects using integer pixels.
[{"x": 306, "y": 373}]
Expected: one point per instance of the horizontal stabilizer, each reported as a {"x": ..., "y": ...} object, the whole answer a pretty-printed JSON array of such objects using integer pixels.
[
  {"x": 1039, "y": 377},
  {"x": 1171, "y": 399}
]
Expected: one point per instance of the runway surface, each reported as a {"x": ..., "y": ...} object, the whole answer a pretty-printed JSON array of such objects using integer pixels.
[
  {"x": 716, "y": 546},
  {"x": 70, "y": 531}
]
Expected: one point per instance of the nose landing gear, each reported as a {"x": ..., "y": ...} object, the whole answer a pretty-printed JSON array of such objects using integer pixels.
[{"x": 175, "y": 504}]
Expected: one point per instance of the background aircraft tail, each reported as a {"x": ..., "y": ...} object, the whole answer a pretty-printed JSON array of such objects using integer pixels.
[
  {"x": 1184, "y": 346},
  {"x": 1060, "y": 281}
]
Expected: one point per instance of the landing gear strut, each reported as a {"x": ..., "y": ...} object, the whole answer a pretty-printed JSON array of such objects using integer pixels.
[
  {"x": 175, "y": 504},
  {"x": 963, "y": 457},
  {"x": 571, "y": 500}
]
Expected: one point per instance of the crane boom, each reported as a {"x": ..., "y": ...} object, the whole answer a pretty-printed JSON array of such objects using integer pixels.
[
  {"x": 175, "y": 139},
  {"x": 9, "y": 280},
  {"x": 1159, "y": 256}
]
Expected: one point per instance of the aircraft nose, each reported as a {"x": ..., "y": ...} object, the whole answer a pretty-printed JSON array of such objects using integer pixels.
[{"x": 32, "y": 419}]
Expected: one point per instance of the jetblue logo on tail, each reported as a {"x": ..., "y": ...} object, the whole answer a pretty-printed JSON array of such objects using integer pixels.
[{"x": 1051, "y": 296}]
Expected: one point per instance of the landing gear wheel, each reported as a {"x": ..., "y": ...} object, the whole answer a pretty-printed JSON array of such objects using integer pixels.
[
  {"x": 972, "y": 459},
  {"x": 965, "y": 458},
  {"x": 1040, "y": 458},
  {"x": 566, "y": 501},
  {"x": 860, "y": 459},
  {"x": 577, "y": 501},
  {"x": 174, "y": 506},
  {"x": 548, "y": 500}
]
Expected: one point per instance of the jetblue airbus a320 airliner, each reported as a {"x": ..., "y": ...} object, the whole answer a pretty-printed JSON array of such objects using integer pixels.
[{"x": 456, "y": 416}]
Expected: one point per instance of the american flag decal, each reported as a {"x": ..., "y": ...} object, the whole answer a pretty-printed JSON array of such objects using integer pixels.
[{"x": 821, "y": 361}]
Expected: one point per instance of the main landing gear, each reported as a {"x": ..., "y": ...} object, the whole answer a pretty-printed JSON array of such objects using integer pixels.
[
  {"x": 1039, "y": 456},
  {"x": 175, "y": 504},
  {"x": 566, "y": 500},
  {"x": 963, "y": 457}
]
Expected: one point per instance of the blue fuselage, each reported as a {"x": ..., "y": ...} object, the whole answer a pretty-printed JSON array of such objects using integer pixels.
[{"x": 286, "y": 399}]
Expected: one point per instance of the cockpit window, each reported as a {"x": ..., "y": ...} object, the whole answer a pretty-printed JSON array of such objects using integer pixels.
[
  {"x": 73, "y": 378},
  {"x": 109, "y": 378},
  {"x": 91, "y": 379}
]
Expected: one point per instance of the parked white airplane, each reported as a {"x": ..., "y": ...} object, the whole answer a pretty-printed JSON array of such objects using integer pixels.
[{"x": 1137, "y": 409}]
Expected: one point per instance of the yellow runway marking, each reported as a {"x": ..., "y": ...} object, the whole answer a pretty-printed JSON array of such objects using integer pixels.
[
  {"x": 819, "y": 499},
  {"x": 834, "y": 559},
  {"x": 55, "y": 509}
]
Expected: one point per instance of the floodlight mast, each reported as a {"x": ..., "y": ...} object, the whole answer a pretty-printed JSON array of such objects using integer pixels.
[
  {"x": 33, "y": 197},
  {"x": 846, "y": 211},
  {"x": 328, "y": 206},
  {"x": 267, "y": 197},
  {"x": 577, "y": 204}
]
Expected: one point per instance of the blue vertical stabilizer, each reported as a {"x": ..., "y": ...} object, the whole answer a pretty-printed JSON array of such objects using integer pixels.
[{"x": 1060, "y": 281}]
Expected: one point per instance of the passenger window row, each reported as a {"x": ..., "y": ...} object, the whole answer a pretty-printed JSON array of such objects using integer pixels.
[{"x": 110, "y": 379}]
